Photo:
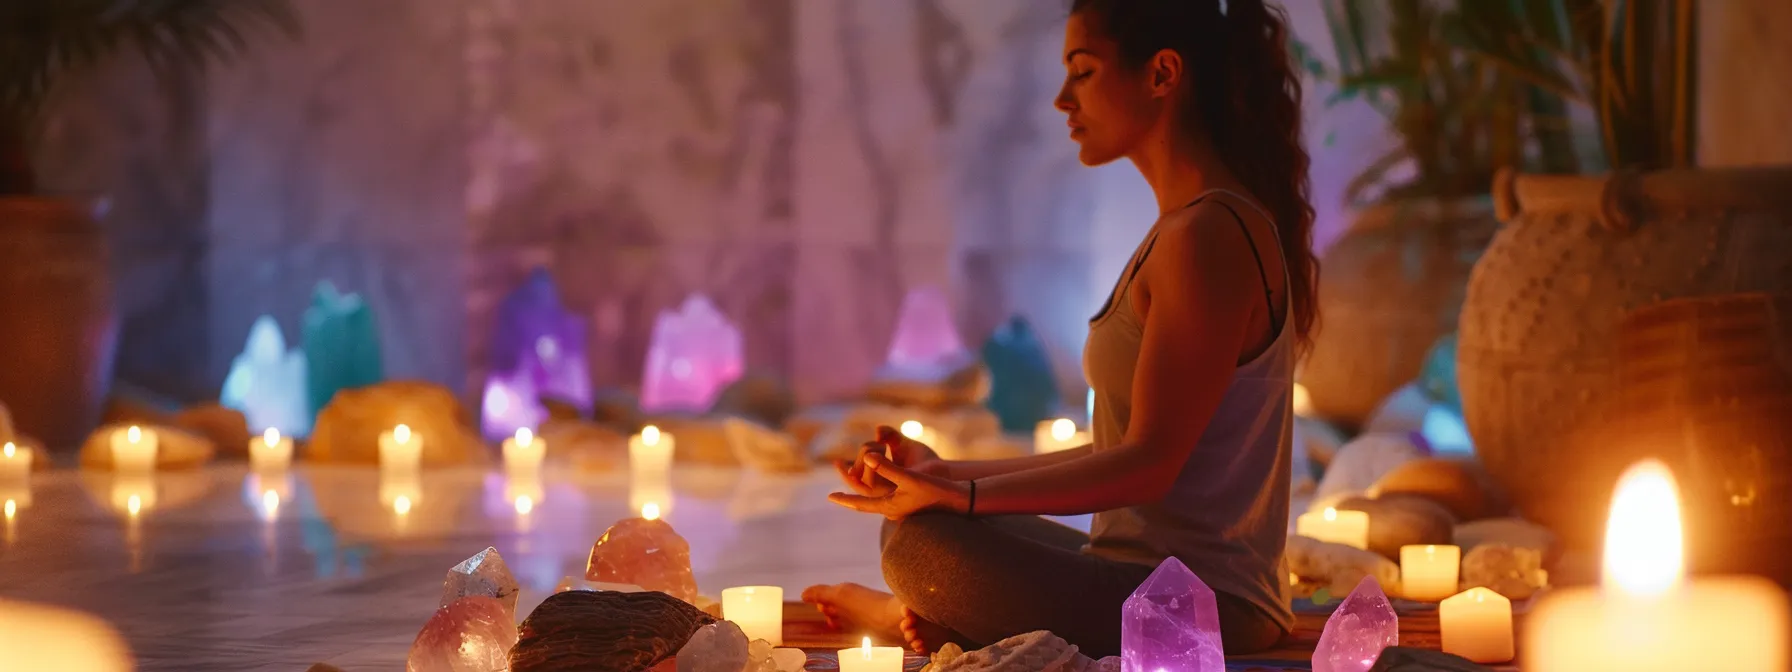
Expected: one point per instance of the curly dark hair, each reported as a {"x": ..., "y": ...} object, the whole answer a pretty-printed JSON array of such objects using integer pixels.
[{"x": 1247, "y": 96}]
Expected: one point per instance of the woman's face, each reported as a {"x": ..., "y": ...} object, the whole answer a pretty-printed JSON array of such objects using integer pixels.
[{"x": 1111, "y": 110}]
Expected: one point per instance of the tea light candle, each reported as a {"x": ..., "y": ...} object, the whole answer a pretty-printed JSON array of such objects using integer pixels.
[
  {"x": 401, "y": 449},
  {"x": 1476, "y": 624},
  {"x": 1350, "y": 528},
  {"x": 523, "y": 453},
  {"x": 15, "y": 463},
  {"x": 650, "y": 452},
  {"x": 134, "y": 449},
  {"x": 270, "y": 452},
  {"x": 1428, "y": 573},
  {"x": 1645, "y": 616},
  {"x": 868, "y": 658},
  {"x": 915, "y": 431},
  {"x": 1055, "y": 435},
  {"x": 758, "y": 610}
]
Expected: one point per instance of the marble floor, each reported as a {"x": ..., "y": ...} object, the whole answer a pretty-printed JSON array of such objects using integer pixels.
[{"x": 220, "y": 569}]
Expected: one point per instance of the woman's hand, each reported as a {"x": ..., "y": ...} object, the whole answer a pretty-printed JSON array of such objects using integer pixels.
[
  {"x": 905, "y": 452},
  {"x": 901, "y": 492}
]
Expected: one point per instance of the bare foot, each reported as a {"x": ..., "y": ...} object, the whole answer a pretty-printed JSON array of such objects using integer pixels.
[
  {"x": 925, "y": 636},
  {"x": 850, "y": 605}
]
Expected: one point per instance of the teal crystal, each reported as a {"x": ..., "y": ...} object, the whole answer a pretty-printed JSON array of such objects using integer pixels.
[
  {"x": 1022, "y": 390},
  {"x": 342, "y": 345},
  {"x": 1438, "y": 377}
]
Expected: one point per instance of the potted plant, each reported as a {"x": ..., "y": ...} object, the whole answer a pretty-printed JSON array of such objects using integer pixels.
[
  {"x": 1538, "y": 354},
  {"x": 1392, "y": 285},
  {"x": 56, "y": 341}
]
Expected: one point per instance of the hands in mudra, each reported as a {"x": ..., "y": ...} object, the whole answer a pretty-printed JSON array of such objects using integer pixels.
[{"x": 896, "y": 476}]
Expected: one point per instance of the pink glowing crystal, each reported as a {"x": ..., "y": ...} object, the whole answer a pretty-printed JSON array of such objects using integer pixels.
[
  {"x": 646, "y": 553},
  {"x": 471, "y": 634},
  {"x": 925, "y": 334},
  {"x": 1172, "y": 622},
  {"x": 692, "y": 355},
  {"x": 1354, "y": 636}
]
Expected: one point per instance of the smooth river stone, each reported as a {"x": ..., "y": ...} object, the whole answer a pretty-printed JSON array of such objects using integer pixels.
[
  {"x": 471, "y": 634},
  {"x": 1459, "y": 485},
  {"x": 1358, "y": 631},
  {"x": 485, "y": 575},
  {"x": 580, "y": 630},
  {"x": 646, "y": 553},
  {"x": 1402, "y": 520},
  {"x": 1362, "y": 462},
  {"x": 1516, "y": 532},
  {"x": 1172, "y": 622}
]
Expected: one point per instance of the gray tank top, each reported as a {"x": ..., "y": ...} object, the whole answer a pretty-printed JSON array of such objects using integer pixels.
[{"x": 1226, "y": 515}]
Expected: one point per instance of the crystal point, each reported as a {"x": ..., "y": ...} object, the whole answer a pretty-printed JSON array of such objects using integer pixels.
[
  {"x": 267, "y": 382},
  {"x": 1171, "y": 622},
  {"x": 538, "y": 348},
  {"x": 646, "y": 553},
  {"x": 471, "y": 634},
  {"x": 342, "y": 345},
  {"x": 692, "y": 354},
  {"x": 485, "y": 575},
  {"x": 925, "y": 334},
  {"x": 717, "y": 647},
  {"x": 1355, "y": 635}
]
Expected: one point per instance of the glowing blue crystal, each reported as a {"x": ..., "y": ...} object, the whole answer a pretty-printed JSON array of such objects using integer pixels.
[{"x": 267, "y": 382}]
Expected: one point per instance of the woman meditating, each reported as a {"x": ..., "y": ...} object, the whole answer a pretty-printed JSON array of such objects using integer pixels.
[{"x": 1191, "y": 360}]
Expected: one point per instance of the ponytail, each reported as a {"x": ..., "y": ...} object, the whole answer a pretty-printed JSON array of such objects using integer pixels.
[{"x": 1247, "y": 102}]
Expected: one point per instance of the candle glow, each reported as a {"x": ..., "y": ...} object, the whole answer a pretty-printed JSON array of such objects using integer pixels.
[
  {"x": 1350, "y": 528},
  {"x": 650, "y": 511},
  {"x": 868, "y": 658},
  {"x": 1063, "y": 429},
  {"x": 912, "y": 429},
  {"x": 650, "y": 435},
  {"x": 402, "y": 433},
  {"x": 15, "y": 464},
  {"x": 401, "y": 505},
  {"x": 758, "y": 610}
]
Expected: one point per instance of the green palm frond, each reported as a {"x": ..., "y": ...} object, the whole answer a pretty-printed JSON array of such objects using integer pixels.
[{"x": 39, "y": 39}]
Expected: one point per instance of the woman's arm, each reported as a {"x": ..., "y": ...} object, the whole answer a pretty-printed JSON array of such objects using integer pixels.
[
  {"x": 964, "y": 470},
  {"x": 1198, "y": 292}
]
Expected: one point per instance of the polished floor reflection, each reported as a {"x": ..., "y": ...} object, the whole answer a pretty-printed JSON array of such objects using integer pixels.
[{"x": 221, "y": 569}]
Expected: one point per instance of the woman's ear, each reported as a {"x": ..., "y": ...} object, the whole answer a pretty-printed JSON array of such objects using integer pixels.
[{"x": 1164, "y": 72}]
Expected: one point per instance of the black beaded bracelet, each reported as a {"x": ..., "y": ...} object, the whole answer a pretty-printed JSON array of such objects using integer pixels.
[{"x": 971, "y": 510}]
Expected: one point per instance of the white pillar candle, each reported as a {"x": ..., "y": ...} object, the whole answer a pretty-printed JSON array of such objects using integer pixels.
[
  {"x": 523, "y": 453},
  {"x": 650, "y": 452},
  {"x": 401, "y": 449},
  {"x": 134, "y": 449},
  {"x": 1051, "y": 436},
  {"x": 270, "y": 452},
  {"x": 42, "y": 637},
  {"x": 915, "y": 431},
  {"x": 1428, "y": 573},
  {"x": 15, "y": 462},
  {"x": 1645, "y": 616},
  {"x": 868, "y": 658},
  {"x": 758, "y": 610},
  {"x": 1476, "y": 624},
  {"x": 1350, "y": 528}
]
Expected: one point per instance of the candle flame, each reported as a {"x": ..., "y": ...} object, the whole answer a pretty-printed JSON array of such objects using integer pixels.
[
  {"x": 134, "y": 505},
  {"x": 12, "y": 509},
  {"x": 524, "y": 437},
  {"x": 912, "y": 429},
  {"x": 1063, "y": 429},
  {"x": 270, "y": 503},
  {"x": 650, "y": 511},
  {"x": 401, "y": 505},
  {"x": 134, "y": 434},
  {"x": 401, "y": 434},
  {"x": 8, "y": 450},
  {"x": 650, "y": 435},
  {"x": 524, "y": 504},
  {"x": 1303, "y": 401},
  {"x": 1643, "y": 546},
  {"x": 1331, "y": 513},
  {"x": 866, "y": 647},
  {"x": 271, "y": 437}
]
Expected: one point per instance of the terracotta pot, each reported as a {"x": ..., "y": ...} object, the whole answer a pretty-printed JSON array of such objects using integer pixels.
[
  {"x": 1707, "y": 384},
  {"x": 59, "y": 326},
  {"x": 1388, "y": 289},
  {"x": 1538, "y": 349}
]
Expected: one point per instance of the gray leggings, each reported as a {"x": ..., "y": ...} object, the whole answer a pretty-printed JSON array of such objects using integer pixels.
[{"x": 992, "y": 578}]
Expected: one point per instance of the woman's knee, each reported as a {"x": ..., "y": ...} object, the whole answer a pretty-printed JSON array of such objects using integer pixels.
[{"x": 918, "y": 550}]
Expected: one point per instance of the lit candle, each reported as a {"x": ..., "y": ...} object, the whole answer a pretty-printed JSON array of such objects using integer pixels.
[
  {"x": 758, "y": 610},
  {"x": 1645, "y": 616},
  {"x": 915, "y": 431},
  {"x": 523, "y": 453},
  {"x": 868, "y": 658},
  {"x": 270, "y": 452},
  {"x": 1054, "y": 435},
  {"x": 15, "y": 463},
  {"x": 11, "y": 509},
  {"x": 1302, "y": 402},
  {"x": 1350, "y": 528},
  {"x": 134, "y": 449},
  {"x": 401, "y": 449},
  {"x": 1428, "y": 573},
  {"x": 650, "y": 452},
  {"x": 1476, "y": 624},
  {"x": 42, "y": 637},
  {"x": 650, "y": 511}
]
